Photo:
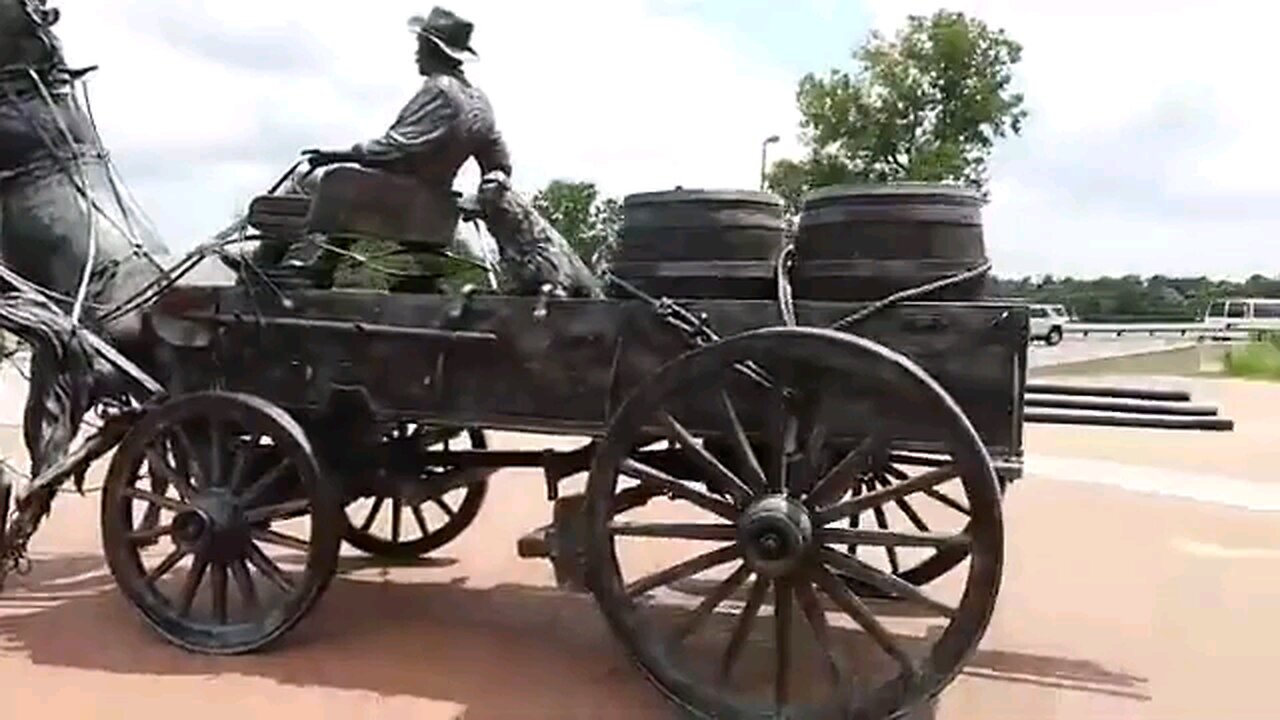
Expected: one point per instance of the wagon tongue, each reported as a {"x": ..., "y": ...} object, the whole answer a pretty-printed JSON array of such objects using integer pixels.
[{"x": 1049, "y": 403}]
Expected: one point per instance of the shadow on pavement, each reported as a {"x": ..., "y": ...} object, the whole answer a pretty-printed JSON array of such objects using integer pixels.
[{"x": 504, "y": 651}]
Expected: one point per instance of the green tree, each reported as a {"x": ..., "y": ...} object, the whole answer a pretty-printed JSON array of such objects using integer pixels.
[
  {"x": 587, "y": 220},
  {"x": 926, "y": 105}
]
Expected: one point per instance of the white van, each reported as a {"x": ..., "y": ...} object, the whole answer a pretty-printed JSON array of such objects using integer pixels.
[
  {"x": 1047, "y": 322},
  {"x": 1243, "y": 314}
]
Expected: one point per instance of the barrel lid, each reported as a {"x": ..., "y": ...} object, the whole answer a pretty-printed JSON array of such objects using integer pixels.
[
  {"x": 702, "y": 195},
  {"x": 948, "y": 192}
]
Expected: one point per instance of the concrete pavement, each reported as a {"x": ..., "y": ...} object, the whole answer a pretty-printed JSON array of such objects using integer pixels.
[{"x": 1124, "y": 596}]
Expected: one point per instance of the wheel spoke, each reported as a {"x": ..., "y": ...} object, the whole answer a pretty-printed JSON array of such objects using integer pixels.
[
  {"x": 277, "y": 512},
  {"x": 934, "y": 493},
  {"x": 888, "y": 583},
  {"x": 191, "y": 460},
  {"x": 239, "y": 462},
  {"x": 373, "y": 515},
  {"x": 906, "y": 508},
  {"x": 861, "y": 614},
  {"x": 866, "y": 501},
  {"x": 947, "y": 500},
  {"x": 782, "y": 640},
  {"x": 192, "y": 583},
  {"x": 844, "y": 475},
  {"x": 163, "y": 501},
  {"x": 157, "y": 464},
  {"x": 444, "y": 507},
  {"x": 268, "y": 567},
  {"x": 220, "y": 592},
  {"x": 855, "y": 520},
  {"x": 727, "y": 587},
  {"x": 140, "y": 537},
  {"x": 889, "y": 550},
  {"x": 676, "y": 531},
  {"x": 216, "y": 450},
  {"x": 421, "y": 519},
  {"x": 170, "y": 561},
  {"x": 397, "y": 510},
  {"x": 742, "y": 447},
  {"x": 785, "y": 430},
  {"x": 151, "y": 517},
  {"x": 723, "y": 477},
  {"x": 743, "y": 629},
  {"x": 688, "y": 568},
  {"x": 263, "y": 482},
  {"x": 831, "y": 535},
  {"x": 803, "y": 463},
  {"x": 674, "y": 488},
  {"x": 240, "y": 572},
  {"x": 278, "y": 538},
  {"x": 817, "y": 619}
]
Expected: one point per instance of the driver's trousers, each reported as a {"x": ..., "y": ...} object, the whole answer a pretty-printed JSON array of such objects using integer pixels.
[{"x": 311, "y": 252}]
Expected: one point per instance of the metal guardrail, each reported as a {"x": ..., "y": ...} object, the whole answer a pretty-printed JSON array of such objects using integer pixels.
[{"x": 1187, "y": 330}]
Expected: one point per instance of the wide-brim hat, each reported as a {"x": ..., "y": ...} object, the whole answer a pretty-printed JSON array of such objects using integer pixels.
[{"x": 449, "y": 32}]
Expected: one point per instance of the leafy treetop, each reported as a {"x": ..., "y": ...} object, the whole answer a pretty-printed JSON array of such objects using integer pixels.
[{"x": 927, "y": 105}]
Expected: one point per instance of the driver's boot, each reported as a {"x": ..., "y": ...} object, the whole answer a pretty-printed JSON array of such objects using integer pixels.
[{"x": 307, "y": 261}]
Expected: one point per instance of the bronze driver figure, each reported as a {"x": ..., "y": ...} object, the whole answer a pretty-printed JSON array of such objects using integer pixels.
[{"x": 448, "y": 121}]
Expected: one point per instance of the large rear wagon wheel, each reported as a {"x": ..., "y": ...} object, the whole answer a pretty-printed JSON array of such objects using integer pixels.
[
  {"x": 227, "y": 472},
  {"x": 776, "y": 527}
]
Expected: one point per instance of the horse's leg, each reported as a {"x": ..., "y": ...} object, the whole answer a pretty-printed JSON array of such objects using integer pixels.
[
  {"x": 6, "y": 484},
  {"x": 50, "y": 420}
]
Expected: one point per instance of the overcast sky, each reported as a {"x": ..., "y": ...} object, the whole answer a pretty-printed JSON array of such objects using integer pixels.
[{"x": 1150, "y": 149}]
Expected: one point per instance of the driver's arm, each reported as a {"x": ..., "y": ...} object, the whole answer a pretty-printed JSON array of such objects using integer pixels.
[
  {"x": 494, "y": 154},
  {"x": 423, "y": 122}
]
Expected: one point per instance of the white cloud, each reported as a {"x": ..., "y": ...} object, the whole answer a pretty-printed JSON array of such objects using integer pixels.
[
  {"x": 623, "y": 93},
  {"x": 1152, "y": 144}
]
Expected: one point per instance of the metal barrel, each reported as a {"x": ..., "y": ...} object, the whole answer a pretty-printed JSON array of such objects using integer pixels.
[
  {"x": 1158, "y": 422},
  {"x": 699, "y": 243},
  {"x": 1108, "y": 391},
  {"x": 1144, "y": 407},
  {"x": 862, "y": 243}
]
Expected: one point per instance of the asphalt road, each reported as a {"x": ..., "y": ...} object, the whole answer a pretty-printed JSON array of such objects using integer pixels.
[
  {"x": 1074, "y": 348},
  {"x": 1141, "y": 580}
]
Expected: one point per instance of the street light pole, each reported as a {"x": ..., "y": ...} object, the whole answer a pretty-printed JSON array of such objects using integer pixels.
[{"x": 764, "y": 150}]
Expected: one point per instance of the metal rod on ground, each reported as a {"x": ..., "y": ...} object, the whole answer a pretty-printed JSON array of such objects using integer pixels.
[
  {"x": 1109, "y": 391},
  {"x": 1157, "y": 422},
  {"x": 1143, "y": 407}
]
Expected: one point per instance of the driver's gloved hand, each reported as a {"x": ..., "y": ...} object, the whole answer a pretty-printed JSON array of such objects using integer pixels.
[{"x": 469, "y": 208}]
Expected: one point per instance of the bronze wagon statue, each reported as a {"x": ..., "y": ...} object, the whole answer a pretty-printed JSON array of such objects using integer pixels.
[{"x": 792, "y": 446}]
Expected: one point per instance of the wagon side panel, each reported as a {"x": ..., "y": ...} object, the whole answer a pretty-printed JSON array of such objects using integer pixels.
[{"x": 502, "y": 363}]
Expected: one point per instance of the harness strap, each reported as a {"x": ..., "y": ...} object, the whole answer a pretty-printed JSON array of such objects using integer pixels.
[{"x": 50, "y": 163}]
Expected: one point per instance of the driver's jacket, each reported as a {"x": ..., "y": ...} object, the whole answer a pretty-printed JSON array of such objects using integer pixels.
[{"x": 448, "y": 121}]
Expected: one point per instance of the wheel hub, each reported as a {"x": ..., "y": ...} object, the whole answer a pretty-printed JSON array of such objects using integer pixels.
[
  {"x": 214, "y": 525},
  {"x": 191, "y": 528},
  {"x": 775, "y": 533}
]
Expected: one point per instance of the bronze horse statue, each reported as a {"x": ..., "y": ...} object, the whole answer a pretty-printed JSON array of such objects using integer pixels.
[{"x": 71, "y": 247}]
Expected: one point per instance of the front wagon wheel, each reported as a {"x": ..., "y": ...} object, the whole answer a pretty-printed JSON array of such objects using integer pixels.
[
  {"x": 733, "y": 596},
  {"x": 217, "y": 522}
]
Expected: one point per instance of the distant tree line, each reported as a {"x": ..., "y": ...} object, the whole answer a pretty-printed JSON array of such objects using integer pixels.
[{"x": 1131, "y": 297}]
